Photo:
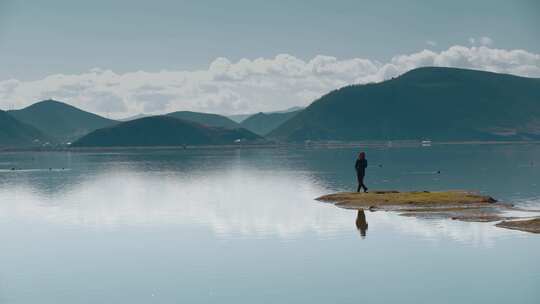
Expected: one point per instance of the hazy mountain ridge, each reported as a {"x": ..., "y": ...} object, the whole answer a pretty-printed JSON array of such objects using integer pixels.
[
  {"x": 133, "y": 117},
  {"x": 239, "y": 118},
  {"x": 434, "y": 103},
  {"x": 263, "y": 123}
]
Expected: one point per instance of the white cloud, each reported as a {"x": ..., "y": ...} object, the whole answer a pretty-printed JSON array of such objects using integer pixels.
[
  {"x": 431, "y": 43},
  {"x": 261, "y": 84},
  {"x": 484, "y": 40}
]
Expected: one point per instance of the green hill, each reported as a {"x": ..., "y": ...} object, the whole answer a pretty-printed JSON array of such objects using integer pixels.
[
  {"x": 61, "y": 121},
  {"x": 264, "y": 123},
  {"x": 14, "y": 133},
  {"x": 162, "y": 131},
  {"x": 207, "y": 119},
  {"x": 426, "y": 103}
]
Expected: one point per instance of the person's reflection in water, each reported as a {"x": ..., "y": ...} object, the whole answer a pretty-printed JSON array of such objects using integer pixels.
[{"x": 361, "y": 223}]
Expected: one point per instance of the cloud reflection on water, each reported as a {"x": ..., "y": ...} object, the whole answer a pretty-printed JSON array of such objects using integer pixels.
[{"x": 233, "y": 203}]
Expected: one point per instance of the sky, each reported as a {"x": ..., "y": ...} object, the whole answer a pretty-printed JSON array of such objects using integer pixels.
[{"x": 120, "y": 58}]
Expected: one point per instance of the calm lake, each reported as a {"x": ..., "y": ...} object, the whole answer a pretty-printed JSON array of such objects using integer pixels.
[{"x": 242, "y": 226}]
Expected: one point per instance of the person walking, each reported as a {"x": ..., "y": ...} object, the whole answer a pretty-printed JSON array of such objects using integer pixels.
[{"x": 360, "y": 166}]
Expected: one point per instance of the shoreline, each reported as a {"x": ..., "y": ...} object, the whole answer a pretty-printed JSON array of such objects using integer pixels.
[{"x": 275, "y": 145}]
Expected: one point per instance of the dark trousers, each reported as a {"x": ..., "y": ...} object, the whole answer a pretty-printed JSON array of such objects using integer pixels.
[{"x": 361, "y": 185}]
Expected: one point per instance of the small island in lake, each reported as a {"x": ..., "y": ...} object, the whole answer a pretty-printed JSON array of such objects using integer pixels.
[
  {"x": 532, "y": 225},
  {"x": 457, "y": 205}
]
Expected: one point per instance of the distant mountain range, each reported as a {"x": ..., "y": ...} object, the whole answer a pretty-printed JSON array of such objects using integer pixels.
[
  {"x": 426, "y": 103},
  {"x": 133, "y": 117},
  {"x": 16, "y": 133},
  {"x": 163, "y": 131},
  {"x": 259, "y": 123},
  {"x": 441, "y": 104},
  {"x": 60, "y": 121},
  {"x": 262, "y": 123},
  {"x": 241, "y": 117}
]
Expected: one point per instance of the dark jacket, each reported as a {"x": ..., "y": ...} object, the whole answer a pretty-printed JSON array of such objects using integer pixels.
[{"x": 360, "y": 166}]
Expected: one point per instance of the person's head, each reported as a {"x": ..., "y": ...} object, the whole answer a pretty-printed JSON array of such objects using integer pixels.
[{"x": 362, "y": 155}]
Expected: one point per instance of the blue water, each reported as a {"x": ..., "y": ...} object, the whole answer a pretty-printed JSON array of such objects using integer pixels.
[{"x": 241, "y": 226}]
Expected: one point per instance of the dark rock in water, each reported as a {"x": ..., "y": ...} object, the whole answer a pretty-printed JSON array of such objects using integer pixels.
[{"x": 491, "y": 200}]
